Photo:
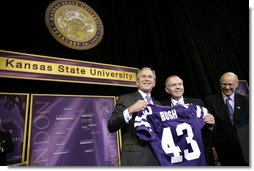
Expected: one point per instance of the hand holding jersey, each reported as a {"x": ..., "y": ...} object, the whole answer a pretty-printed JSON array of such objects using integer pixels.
[
  {"x": 209, "y": 119},
  {"x": 138, "y": 106}
]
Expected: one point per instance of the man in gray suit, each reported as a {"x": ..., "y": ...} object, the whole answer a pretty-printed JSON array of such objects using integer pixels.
[
  {"x": 229, "y": 140},
  {"x": 135, "y": 152},
  {"x": 175, "y": 88}
]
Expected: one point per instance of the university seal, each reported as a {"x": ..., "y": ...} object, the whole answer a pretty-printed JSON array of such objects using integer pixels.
[{"x": 74, "y": 24}]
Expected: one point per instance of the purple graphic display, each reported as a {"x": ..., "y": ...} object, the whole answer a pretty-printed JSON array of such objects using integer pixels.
[
  {"x": 13, "y": 112},
  {"x": 243, "y": 88},
  {"x": 72, "y": 131}
]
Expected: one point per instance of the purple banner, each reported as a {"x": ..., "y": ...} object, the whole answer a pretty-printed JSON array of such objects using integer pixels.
[
  {"x": 38, "y": 67},
  {"x": 72, "y": 131},
  {"x": 13, "y": 116}
]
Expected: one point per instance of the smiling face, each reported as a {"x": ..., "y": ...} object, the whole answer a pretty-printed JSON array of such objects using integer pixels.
[
  {"x": 146, "y": 79},
  {"x": 228, "y": 83},
  {"x": 174, "y": 87}
]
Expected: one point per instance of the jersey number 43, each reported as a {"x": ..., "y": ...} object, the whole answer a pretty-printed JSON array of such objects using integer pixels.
[{"x": 169, "y": 146}]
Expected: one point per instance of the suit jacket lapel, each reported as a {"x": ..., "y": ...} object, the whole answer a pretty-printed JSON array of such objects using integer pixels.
[
  {"x": 138, "y": 96},
  {"x": 186, "y": 100},
  {"x": 155, "y": 102},
  {"x": 237, "y": 106},
  {"x": 221, "y": 107}
]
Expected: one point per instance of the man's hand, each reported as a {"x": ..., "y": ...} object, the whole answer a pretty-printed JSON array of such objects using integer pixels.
[
  {"x": 138, "y": 106},
  {"x": 209, "y": 119}
]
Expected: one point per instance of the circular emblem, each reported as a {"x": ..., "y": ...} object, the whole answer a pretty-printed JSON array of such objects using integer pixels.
[
  {"x": 105, "y": 107},
  {"x": 74, "y": 24}
]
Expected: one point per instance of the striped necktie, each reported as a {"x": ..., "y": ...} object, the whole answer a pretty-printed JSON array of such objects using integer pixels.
[
  {"x": 148, "y": 100},
  {"x": 229, "y": 109}
]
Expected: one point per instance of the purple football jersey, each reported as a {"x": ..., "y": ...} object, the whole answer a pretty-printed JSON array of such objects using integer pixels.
[{"x": 174, "y": 133}]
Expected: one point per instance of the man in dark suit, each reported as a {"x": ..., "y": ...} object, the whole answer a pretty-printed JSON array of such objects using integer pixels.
[
  {"x": 135, "y": 152},
  {"x": 6, "y": 145},
  {"x": 226, "y": 136},
  {"x": 175, "y": 88}
]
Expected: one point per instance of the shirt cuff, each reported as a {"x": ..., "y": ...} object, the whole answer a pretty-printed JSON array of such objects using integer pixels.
[{"x": 126, "y": 115}]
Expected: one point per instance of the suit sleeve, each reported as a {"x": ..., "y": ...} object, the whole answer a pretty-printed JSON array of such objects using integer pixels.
[{"x": 116, "y": 120}]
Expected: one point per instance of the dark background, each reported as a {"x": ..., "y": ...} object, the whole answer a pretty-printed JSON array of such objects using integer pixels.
[{"x": 198, "y": 40}]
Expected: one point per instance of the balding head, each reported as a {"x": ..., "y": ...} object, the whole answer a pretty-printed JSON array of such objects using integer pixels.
[
  {"x": 174, "y": 87},
  {"x": 228, "y": 83}
]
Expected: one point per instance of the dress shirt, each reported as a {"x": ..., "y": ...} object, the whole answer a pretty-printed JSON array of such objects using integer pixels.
[
  {"x": 175, "y": 102},
  {"x": 231, "y": 101}
]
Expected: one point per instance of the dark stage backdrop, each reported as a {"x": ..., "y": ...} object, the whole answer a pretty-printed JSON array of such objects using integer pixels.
[{"x": 196, "y": 39}]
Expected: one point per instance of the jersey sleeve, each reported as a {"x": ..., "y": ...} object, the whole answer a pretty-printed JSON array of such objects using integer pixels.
[
  {"x": 143, "y": 128},
  {"x": 201, "y": 111}
]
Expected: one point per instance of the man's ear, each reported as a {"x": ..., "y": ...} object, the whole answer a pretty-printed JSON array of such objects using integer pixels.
[
  {"x": 166, "y": 90},
  {"x": 237, "y": 84},
  {"x": 137, "y": 82}
]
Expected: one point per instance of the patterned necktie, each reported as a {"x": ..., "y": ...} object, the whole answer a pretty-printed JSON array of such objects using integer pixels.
[
  {"x": 229, "y": 109},
  {"x": 148, "y": 100}
]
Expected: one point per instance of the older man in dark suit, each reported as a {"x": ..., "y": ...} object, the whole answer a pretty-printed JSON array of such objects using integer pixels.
[
  {"x": 135, "y": 152},
  {"x": 231, "y": 112}
]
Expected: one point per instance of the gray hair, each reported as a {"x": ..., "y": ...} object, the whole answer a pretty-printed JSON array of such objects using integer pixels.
[
  {"x": 171, "y": 76},
  {"x": 146, "y": 68}
]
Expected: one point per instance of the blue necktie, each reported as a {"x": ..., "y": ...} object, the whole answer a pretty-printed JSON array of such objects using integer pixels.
[
  {"x": 229, "y": 109},
  {"x": 148, "y": 100}
]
